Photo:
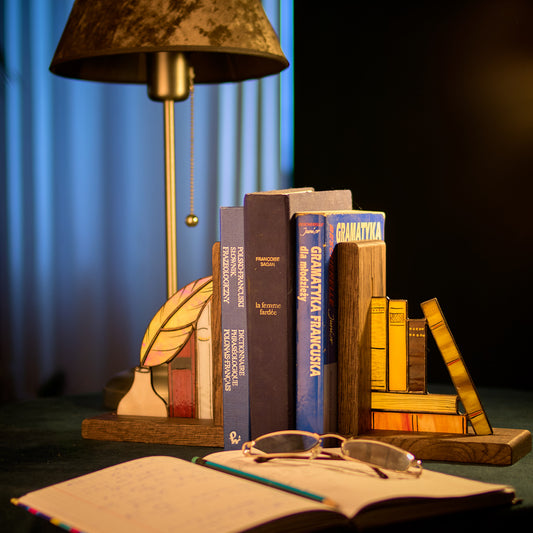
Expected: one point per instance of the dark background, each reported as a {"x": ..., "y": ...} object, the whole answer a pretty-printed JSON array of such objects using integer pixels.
[{"x": 425, "y": 111}]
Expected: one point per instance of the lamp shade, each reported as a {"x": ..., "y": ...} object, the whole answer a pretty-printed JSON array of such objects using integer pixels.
[{"x": 224, "y": 40}]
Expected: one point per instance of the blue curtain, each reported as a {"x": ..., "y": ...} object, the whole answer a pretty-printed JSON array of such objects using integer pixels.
[{"x": 83, "y": 229}]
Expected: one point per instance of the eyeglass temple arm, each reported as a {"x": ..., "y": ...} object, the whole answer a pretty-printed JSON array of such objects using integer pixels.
[
  {"x": 378, "y": 471},
  {"x": 247, "y": 447}
]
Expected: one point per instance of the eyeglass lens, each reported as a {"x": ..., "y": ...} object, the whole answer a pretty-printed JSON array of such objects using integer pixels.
[
  {"x": 285, "y": 443},
  {"x": 378, "y": 454}
]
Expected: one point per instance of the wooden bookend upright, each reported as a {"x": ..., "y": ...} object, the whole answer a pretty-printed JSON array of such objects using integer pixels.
[
  {"x": 183, "y": 431},
  {"x": 361, "y": 274}
]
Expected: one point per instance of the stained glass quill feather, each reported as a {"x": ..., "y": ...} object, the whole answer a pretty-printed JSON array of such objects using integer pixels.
[{"x": 173, "y": 324}]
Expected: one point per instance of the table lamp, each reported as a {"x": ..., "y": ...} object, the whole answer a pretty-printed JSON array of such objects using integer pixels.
[{"x": 168, "y": 45}]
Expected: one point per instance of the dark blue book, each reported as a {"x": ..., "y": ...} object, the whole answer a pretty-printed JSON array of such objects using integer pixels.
[
  {"x": 234, "y": 329},
  {"x": 270, "y": 273},
  {"x": 317, "y": 234}
]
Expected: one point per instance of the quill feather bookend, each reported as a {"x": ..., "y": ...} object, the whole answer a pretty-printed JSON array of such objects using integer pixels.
[
  {"x": 185, "y": 335},
  {"x": 141, "y": 399}
]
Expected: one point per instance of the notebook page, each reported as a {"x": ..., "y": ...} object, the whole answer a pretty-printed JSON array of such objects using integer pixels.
[
  {"x": 161, "y": 494},
  {"x": 354, "y": 486}
]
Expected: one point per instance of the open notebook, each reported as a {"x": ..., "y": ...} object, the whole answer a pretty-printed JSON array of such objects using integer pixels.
[{"x": 161, "y": 494}]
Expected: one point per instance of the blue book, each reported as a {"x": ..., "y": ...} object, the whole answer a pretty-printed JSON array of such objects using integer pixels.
[
  {"x": 317, "y": 234},
  {"x": 234, "y": 329}
]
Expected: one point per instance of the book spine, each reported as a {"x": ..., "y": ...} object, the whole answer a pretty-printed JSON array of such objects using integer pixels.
[
  {"x": 234, "y": 329},
  {"x": 417, "y": 354},
  {"x": 398, "y": 345},
  {"x": 270, "y": 282},
  {"x": 379, "y": 343},
  {"x": 431, "y": 422},
  {"x": 311, "y": 287},
  {"x": 430, "y": 403},
  {"x": 361, "y": 275}
]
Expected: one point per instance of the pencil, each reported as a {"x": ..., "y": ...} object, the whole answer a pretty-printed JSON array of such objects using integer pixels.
[{"x": 264, "y": 481}]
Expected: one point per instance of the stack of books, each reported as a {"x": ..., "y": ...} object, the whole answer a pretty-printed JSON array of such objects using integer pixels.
[
  {"x": 400, "y": 400},
  {"x": 279, "y": 286}
]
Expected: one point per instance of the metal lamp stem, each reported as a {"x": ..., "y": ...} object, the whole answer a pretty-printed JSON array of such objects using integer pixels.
[
  {"x": 170, "y": 195},
  {"x": 168, "y": 82}
]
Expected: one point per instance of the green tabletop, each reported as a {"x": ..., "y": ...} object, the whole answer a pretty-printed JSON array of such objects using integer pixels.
[{"x": 41, "y": 444}]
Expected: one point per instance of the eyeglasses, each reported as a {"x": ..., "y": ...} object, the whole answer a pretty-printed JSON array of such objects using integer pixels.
[{"x": 304, "y": 444}]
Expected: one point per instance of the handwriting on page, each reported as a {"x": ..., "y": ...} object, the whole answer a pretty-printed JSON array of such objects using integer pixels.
[
  {"x": 164, "y": 494},
  {"x": 351, "y": 485}
]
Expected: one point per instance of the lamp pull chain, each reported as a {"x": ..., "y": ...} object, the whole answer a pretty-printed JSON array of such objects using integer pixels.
[{"x": 192, "y": 219}]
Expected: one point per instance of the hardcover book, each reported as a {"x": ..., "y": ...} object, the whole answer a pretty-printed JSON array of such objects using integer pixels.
[
  {"x": 161, "y": 494},
  {"x": 270, "y": 271},
  {"x": 235, "y": 373},
  {"x": 317, "y": 235}
]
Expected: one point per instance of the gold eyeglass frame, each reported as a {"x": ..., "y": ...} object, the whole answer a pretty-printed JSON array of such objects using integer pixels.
[{"x": 414, "y": 466}]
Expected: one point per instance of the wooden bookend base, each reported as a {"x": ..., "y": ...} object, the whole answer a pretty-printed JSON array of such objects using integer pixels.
[
  {"x": 125, "y": 428},
  {"x": 504, "y": 447},
  {"x": 172, "y": 430}
]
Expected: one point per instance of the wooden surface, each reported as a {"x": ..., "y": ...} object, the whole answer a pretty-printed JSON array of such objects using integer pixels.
[
  {"x": 361, "y": 275},
  {"x": 184, "y": 431},
  {"x": 503, "y": 447}
]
